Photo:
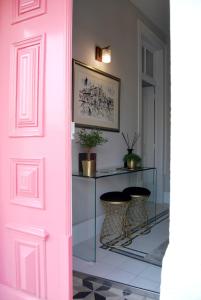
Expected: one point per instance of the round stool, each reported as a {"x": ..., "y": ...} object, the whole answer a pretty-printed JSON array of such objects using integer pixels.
[
  {"x": 115, "y": 224},
  {"x": 137, "y": 213}
]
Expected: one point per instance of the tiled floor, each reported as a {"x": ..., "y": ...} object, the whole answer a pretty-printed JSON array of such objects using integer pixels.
[
  {"x": 149, "y": 247},
  {"x": 122, "y": 269},
  {"x": 95, "y": 288}
]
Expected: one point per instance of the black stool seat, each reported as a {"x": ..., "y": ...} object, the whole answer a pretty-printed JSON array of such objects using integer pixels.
[
  {"x": 115, "y": 197},
  {"x": 135, "y": 190}
]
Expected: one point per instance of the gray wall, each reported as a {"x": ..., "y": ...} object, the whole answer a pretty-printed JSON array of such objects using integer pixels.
[{"x": 114, "y": 23}]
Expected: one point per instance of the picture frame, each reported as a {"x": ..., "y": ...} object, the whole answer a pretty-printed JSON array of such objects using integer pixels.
[{"x": 96, "y": 98}]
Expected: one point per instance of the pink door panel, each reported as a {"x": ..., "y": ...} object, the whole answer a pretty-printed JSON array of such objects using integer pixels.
[{"x": 35, "y": 149}]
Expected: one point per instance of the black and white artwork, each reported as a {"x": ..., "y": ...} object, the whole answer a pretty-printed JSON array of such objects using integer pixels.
[{"x": 96, "y": 98}]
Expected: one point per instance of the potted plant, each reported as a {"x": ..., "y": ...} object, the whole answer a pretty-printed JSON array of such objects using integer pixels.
[
  {"x": 131, "y": 160},
  {"x": 89, "y": 139}
]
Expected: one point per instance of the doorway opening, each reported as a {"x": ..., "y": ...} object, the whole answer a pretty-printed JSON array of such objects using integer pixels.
[
  {"x": 140, "y": 60},
  {"x": 148, "y": 126}
]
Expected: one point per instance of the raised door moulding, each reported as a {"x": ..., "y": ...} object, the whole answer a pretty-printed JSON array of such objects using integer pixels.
[
  {"x": 29, "y": 255},
  {"x": 27, "y": 182},
  {"x": 30, "y": 230},
  {"x": 27, "y": 267},
  {"x": 27, "y": 87},
  {"x": 27, "y": 9}
]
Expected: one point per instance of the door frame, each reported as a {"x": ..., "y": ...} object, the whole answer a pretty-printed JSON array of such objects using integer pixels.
[{"x": 160, "y": 53}]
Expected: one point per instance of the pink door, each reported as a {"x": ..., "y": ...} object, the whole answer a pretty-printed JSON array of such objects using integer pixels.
[{"x": 35, "y": 155}]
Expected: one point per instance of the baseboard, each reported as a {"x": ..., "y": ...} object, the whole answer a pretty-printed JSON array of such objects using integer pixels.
[
  {"x": 86, "y": 230},
  {"x": 8, "y": 293}
]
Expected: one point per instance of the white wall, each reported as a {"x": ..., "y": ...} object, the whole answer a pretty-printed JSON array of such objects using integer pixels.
[
  {"x": 103, "y": 23},
  {"x": 181, "y": 272},
  {"x": 157, "y": 11},
  {"x": 111, "y": 23}
]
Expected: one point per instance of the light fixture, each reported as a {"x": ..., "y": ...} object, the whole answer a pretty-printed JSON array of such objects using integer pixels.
[{"x": 103, "y": 54}]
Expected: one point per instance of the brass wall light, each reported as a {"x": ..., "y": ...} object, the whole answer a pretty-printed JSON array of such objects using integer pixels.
[{"x": 103, "y": 54}]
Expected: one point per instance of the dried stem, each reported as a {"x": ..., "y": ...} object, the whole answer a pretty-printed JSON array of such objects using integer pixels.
[
  {"x": 127, "y": 140},
  {"x": 135, "y": 138}
]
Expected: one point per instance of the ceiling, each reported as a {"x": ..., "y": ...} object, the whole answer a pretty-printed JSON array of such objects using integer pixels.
[{"x": 157, "y": 11}]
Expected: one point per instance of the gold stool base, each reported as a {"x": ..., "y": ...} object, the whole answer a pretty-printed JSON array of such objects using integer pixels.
[{"x": 115, "y": 225}]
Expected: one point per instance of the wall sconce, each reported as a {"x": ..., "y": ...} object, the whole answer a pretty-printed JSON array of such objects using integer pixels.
[{"x": 103, "y": 54}]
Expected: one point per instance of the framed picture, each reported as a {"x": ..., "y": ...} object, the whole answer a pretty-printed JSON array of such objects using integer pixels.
[{"x": 96, "y": 98}]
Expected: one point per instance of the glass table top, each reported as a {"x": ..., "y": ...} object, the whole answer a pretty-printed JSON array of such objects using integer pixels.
[{"x": 112, "y": 171}]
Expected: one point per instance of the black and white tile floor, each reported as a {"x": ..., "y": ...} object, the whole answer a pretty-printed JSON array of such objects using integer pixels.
[{"x": 93, "y": 288}]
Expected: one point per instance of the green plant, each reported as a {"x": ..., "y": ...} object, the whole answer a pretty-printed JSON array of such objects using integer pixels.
[
  {"x": 132, "y": 156},
  {"x": 89, "y": 139}
]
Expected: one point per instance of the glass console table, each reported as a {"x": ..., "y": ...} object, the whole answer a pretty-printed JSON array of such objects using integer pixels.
[{"x": 88, "y": 213}]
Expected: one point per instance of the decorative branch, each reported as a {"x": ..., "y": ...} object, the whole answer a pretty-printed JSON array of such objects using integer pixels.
[
  {"x": 127, "y": 140},
  {"x": 135, "y": 138}
]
